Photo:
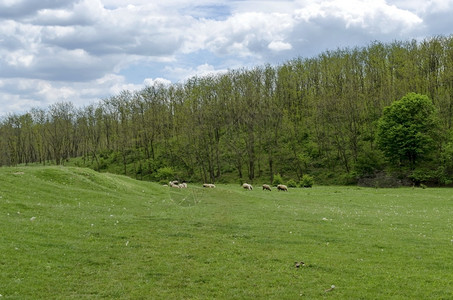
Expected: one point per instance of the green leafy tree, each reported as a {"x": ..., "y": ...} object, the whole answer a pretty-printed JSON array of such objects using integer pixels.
[{"x": 407, "y": 130}]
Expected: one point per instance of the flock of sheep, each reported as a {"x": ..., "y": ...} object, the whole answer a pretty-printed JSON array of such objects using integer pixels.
[
  {"x": 176, "y": 184},
  {"x": 266, "y": 187},
  {"x": 247, "y": 186}
]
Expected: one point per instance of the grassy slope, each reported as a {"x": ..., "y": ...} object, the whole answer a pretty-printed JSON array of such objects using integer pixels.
[{"x": 74, "y": 233}]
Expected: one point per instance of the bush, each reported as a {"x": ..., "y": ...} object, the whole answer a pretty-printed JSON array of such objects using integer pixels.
[
  {"x": 277, "y": 180},
  {"x": 350, "y": 178},
  {"x": 291, "y": 183},
  {"x": 429, "y": 176},
  {"x": 165, "y": 174},
  {"x": 307, "y": 181},
  {"x": 418, "y": 176}
]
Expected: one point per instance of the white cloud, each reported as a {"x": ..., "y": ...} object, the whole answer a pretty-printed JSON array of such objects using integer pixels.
[
  {"x": 83, "y": 13},
  {"x": 186, "y": 73},
  {"x": 279, "y": 46},
  {"x": 77, "y": 49},
  {"x": 113, "y": 85},
  {"x": 16, "y": 104},
  {"x": 22, "y": 8},
  {"x": 244, "y": 34},
  {"x": 374, "y": 15},
  {"x": 19, "y": 59},
  {"x": 22, "y": 94},
  {"x": 158, "y": 81},
  {"x": 423, "y": 6}
]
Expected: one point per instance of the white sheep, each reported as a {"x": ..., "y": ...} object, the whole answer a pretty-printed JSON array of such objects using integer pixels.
[
  {"x": 247, "y": 186},
  {"x": 174, "y": 184},
  {"x": 208, "y": 185},
  {"x": 266, "y": 187},
  {"x": 282, "y": 187}
]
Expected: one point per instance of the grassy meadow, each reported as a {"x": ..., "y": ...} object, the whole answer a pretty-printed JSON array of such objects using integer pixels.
[{"x": 74, "y": 233}]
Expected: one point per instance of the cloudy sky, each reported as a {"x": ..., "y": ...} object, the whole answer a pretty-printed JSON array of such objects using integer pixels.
[{"x": 85, "y": 50}]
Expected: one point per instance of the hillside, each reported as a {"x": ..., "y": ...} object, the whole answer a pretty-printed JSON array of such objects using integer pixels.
[{"x": 65, "y": 230}]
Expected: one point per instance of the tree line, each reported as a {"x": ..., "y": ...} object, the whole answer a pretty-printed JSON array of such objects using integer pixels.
[{"x": 316, "y": 116}]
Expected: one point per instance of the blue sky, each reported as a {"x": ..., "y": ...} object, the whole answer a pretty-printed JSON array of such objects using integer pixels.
[{"x": 86, "y": 50}]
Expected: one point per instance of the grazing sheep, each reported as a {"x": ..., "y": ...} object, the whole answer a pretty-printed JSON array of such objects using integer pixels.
[
  {"x": 282, "y": 187},
  {"x": 182, "y": 185},
  {"x": 174, "y": 184},
  {"x": 247, "y": 186},
  {"x": 208, "y": 185},
  {"x": 266, "y": 187}
]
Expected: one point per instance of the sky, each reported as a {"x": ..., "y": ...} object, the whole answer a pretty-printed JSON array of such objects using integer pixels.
[{"x": 83, "y": 51}]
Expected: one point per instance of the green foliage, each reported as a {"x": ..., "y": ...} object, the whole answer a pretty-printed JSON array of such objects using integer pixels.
[
  {"x": 165, "y": 174},
  {"x": 407, "y": 130},
  {"x": 445, "y": 169},
  {"x": 318, "y": 116},
  {"x": 291, "y": 183},
  {"x": 307, "y": 181},
  {"x": 420, "y": 175},
  {"x": 443, "y": 176},
  {"x": 368, "y": 162},
  {"x": 277, "y": 180},
  {"x": 427, "y": 175}
]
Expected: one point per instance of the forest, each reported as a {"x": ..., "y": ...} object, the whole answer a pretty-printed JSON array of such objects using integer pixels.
[{"x": 320, "y": 117}]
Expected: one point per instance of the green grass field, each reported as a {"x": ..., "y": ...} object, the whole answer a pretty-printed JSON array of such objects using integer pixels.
[{"x": 74, "y": 233}]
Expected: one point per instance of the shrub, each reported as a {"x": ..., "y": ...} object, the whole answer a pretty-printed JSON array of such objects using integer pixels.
[
  {"x": 307, "y": 181},
  {"x": 277, "y": 180},
  {"x": 418, "y": 176},
  {"x": 291, "y": 183},
  {"x": 165, "y": 174},
  {"x": 350, "y": 178}
]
